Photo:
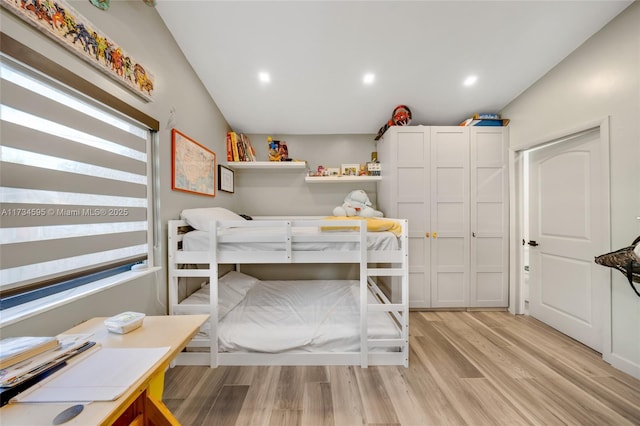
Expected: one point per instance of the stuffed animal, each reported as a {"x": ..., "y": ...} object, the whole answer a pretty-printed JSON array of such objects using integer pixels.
[{"x": 357, "y": 203}]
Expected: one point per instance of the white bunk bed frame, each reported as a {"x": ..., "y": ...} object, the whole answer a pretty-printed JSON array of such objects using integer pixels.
[{"x": 284, "y": 234}]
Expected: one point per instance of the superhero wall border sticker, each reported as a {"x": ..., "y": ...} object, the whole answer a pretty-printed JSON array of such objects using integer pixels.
[{"x": 65, "y": 25}]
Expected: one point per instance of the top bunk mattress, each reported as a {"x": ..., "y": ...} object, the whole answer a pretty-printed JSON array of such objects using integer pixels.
[{"x": 376, "y": 241}]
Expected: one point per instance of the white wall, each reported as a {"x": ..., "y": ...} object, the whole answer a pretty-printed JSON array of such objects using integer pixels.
[
  {"x": 142, "y": 34},
  {"x": 281, "y": 193},
  {"x": 276, "y": 193},
  {"x": 599, "y": 79}
]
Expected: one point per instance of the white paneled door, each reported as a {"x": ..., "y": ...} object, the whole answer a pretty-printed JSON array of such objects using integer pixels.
[
  {"x": 413, "y": 156},
  {"x": 567, "y": 227},
  {"x": 489, "y": 264},
  {"x": 449, "y": 216}
]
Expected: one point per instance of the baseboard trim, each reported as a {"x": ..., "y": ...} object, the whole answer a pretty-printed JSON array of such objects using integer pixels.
[{"x": 479, "y": 309}]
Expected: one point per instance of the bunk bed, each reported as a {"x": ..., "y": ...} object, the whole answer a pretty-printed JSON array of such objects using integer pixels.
[{"x": 350, "y": 322}]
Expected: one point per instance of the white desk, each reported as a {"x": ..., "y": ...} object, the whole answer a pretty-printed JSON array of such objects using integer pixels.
[{"x": 142, "y": 403}]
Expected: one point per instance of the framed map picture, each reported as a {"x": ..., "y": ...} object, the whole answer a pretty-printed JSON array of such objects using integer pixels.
[{"x": 194, "y": 166}]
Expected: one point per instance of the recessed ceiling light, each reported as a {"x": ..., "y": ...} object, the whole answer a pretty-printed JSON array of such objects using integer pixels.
[
  {"x": 470, "y": 81},
  {"x": 368, "y": 78},
  {"x": 264, "y": 77}
]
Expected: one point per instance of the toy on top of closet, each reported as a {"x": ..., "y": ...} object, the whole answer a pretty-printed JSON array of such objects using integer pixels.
[
  {"x": 401, "y": 117},
  {"x": 357, "y": 203}
]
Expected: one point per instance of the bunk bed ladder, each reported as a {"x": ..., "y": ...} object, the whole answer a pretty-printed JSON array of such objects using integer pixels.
[
  {"x": 399, "y": 311},
  {"x": 173, "y": 275},
  {"x": 364, "y": 338},
  {"x": 175, "y": 272},
  {"x": 213, "y": 295}
]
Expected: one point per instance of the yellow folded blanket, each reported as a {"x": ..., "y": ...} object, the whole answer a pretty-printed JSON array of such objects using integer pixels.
[{"x": 374, "y": 224}]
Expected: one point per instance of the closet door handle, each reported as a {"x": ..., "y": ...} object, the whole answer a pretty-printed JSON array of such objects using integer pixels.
[
  {"x": 426, "y": 235},
  {"x": 435, "y": 235},
  {"x": 533, "y": 243}
]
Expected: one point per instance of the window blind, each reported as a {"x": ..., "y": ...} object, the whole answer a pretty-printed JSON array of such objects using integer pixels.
[{"x": 74, "y": 184}]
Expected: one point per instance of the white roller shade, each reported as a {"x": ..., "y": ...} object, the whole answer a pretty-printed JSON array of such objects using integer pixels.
[{"x": 74, "y": 183}]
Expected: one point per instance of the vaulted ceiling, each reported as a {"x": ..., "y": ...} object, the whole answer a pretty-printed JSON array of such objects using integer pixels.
[{"x": 315, "y": 55}]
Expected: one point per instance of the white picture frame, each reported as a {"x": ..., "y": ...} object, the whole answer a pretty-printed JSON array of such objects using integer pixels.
[{"x": 350, "y": 169}]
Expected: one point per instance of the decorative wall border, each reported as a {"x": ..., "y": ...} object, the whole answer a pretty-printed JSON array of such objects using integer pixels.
[{"x": 69, "y": 28}]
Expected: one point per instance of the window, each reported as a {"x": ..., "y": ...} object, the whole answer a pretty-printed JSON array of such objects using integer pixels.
[{"x": 75, "y": 187}]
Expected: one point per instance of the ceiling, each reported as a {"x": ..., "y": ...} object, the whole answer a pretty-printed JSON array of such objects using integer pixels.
[{"x": 316, "y": 53}]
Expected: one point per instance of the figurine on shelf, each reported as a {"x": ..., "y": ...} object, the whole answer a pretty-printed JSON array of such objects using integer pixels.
[
  {"x": 283, "y": 151},
  {"x": 274, "y": 149},
  {"x": 373, "y": 168}
]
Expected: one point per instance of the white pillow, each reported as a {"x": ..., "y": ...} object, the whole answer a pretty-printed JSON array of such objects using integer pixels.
[
  {"x": 232, "y": 288},
  {"x": 201, "y": 218}
]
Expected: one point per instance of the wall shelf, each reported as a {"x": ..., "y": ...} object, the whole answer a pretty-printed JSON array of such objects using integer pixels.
[
  {"x": 267, "y": 165},
  {"x": 341, "y": 179},
  {"x": 283, "y": 166}
]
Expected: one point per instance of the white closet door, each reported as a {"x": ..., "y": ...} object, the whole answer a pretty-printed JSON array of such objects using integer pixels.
[
  {"x": 413, "y": 204},
  {"x": 489, "y": 286},
  {"x": 449, "y": 216}
]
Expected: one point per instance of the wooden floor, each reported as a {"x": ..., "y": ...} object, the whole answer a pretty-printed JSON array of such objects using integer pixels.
[{"x": 465, "y": 368}]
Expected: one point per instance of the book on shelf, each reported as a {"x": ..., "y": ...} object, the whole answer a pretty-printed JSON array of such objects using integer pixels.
[
  {"x": 239, "y": 147},
  {"x": 250, "y": 152},
  {"x": 229, "y": 148},
  {"x": 244, "y": 144},
  {"x": 485, "y": 122},
  {"x": 491, "y": 122},
  {"x": 486, "y": 116},
  {"x": 242, "y": 156},
  {"x": 234, "y": 146},
  {"x": 17, "y": 349}
]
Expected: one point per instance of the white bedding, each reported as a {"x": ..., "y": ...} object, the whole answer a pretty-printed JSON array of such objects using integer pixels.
[
  {"x": 199, "y": 241},
  {"x": 297, "y": 316}
]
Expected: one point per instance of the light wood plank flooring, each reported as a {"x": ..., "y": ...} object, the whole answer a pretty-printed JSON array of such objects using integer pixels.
[{"x": 465, "y": 368}]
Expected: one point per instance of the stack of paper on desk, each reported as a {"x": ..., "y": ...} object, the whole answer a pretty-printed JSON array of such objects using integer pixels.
[
  {"x": 103, "y": 375},
  {"x": 17, "y": 349},
  {"x": 65, "y": 347}
]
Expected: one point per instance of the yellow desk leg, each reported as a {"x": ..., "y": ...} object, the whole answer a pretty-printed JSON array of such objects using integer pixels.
[
  {"x": 157, "y": 414},
  {"x": 156, "y": 386}
]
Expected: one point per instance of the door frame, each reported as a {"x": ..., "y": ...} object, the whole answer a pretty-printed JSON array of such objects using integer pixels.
[{"x": 516, "y": 217}]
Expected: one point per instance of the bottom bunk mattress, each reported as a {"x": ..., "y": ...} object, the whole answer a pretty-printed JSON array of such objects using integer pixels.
[{"x": 292, "y": 316}]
